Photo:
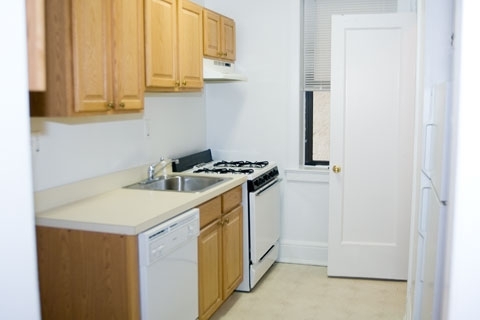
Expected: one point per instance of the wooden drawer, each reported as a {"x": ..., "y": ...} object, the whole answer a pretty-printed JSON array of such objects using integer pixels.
[
  {"x": 231, "y": 199},
  {"x": 210, "y": 211}
]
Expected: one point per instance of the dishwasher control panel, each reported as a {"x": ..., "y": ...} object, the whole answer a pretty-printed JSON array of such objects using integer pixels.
[{"x": 158, "y": 242}]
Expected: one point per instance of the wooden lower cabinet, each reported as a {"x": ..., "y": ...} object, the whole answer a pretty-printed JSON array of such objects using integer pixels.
[
  {"x": 220, "y": 251},
  {"x": 209, "y": 269},
  {"x": 232, "y": 245},
  {"x": 87, "y": 275},
  {"x": 94, "y": 275}
]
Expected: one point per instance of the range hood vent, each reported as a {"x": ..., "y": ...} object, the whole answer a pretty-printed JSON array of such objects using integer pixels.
[{"x": 216, "y": 70}]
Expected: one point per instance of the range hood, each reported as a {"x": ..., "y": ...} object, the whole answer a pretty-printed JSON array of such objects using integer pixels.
[{"x": 216, "y": 70}]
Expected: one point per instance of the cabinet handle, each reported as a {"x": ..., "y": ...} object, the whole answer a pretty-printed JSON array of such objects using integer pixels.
[
  {"x": 219, "y": 54},
  {"x": 177, "y": 83},
  {"x": 225, "y": 54},
  {"x": 227, "y": 220},
  {"x": 184, "y": 82},
  {"x": 122, "y": 105},
  {"x": 220, "y": 223},
  {"x": 110, "y": 105}
]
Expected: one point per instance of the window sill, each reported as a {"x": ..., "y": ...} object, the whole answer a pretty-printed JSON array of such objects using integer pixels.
[{"x": 308, "y": 174}]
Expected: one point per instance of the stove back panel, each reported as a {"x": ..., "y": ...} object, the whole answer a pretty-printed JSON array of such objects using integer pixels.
[{"x": 187, "y": 162}]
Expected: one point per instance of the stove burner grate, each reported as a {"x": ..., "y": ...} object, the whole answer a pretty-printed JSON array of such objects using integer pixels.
[
  {"x": 224, "y": 170},
  {"x": 241, "y": 164}
]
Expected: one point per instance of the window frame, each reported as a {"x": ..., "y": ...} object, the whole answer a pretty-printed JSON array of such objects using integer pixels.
[
  {"x": 308, "y": 134},
  {"x": 313, "y": 81}
]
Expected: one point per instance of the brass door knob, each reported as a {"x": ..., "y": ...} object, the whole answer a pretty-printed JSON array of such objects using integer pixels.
[
  {"x": 177, "y": 83},
  {"x": 110, "y": 105},
  {"x": 184, "y": 82},
  {"x": 122, "y": 105},
  {"x": 337, "y": 169}
]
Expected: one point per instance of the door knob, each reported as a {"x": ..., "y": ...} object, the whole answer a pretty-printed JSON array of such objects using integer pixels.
[{"x": 337, "y": 169}]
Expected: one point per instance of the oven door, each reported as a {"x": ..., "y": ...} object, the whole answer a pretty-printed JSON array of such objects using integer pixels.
[{"x": 264, "y": 211}]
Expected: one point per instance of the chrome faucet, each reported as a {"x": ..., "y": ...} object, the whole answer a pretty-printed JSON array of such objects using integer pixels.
[{"x": 163, "y": 163}]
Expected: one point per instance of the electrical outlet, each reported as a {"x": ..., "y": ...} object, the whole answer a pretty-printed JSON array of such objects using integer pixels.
[
  {"x": 36, "y": 141},
  {"x": 146, "y": 128}
]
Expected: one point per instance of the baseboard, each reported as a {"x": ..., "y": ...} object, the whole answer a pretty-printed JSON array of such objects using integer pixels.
[{"x": 304, "y": 252}]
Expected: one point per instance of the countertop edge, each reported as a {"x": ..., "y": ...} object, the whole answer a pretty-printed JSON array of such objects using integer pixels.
[{"x": 68, "y": 217}]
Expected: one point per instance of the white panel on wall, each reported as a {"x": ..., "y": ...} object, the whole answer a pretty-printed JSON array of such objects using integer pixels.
[{"x": 305, "y": 217}]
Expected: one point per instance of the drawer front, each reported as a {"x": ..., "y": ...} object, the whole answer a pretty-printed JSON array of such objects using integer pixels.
[
  {"x": 231, "y": 199},
  {"x": 210, "y": 211}
]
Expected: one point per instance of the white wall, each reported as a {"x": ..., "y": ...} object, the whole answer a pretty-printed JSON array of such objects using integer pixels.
[
  {"x": 69, "y": 150},
  {"x": 462, "y": 259},
  {"x": 434, "y": 66},
  {"x": 304, "y": 233},
  {"x": 260, "y": 119},
  {"x": 251, "y": 119},
  {"x": 19, "y": 298}
]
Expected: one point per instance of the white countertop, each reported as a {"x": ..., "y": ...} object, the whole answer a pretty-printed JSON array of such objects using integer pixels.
[{"x": 128, "y": 211}]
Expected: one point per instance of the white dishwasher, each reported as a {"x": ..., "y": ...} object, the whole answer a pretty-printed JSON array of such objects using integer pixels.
[{"x": 168, "y": 269}]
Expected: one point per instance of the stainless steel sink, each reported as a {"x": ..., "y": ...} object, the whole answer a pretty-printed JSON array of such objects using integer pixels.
[{"x": 178, "y": 183}]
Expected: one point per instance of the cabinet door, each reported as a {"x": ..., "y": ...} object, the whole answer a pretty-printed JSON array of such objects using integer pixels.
[
  {"x": 211, "y": 34},
  {"x": 36, "y": 45},
  {"x": 92, "y": 67},
  {"x": 228, "y": 39},
  {"x": 87, "y": 275},
  {"x": 190, "y": 39},
  {"x": 161, "y": 43},
  {"x": 209, "y": 269},
  {"x": 128, "y": 54},
  {"x": 232, "y": 251}
]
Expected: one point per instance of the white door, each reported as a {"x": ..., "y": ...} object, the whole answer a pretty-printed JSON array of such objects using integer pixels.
[{"x": 372, "y": 130}]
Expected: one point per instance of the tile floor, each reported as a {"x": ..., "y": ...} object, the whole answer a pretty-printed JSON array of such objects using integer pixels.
[{"x": 302, "y": 292}]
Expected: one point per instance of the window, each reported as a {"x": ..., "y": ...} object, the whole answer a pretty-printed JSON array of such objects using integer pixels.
[{"x": 316, "y": 68}]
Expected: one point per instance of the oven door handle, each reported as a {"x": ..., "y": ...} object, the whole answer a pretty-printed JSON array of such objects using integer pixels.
[{"x": 268, "y": 186}]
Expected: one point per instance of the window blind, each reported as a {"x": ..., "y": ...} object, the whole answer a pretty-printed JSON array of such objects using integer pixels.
[{"x": 317, "y": 34}]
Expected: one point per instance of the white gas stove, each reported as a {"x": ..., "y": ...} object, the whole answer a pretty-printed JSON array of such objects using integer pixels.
[
  {"x": 261, "y": 218},
  {"x": 259, "y": 173}
]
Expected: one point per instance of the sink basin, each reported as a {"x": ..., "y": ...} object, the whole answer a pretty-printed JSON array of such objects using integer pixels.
[{"x": 178, "y": 183}]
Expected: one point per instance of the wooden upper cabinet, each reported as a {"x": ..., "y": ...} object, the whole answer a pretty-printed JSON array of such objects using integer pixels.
[
  {"x": 218, "y": 36},
  {"x": 229, "y": 44},
  {"x": 173, "y": 44},
  {"x": 190, "y": 43},
  {"x": 36, "y": 45},
  {"x": 161, "y": 43},
  {"x": 128, "y": 54},
  {"x": 94, "y": 58},
  {"x": 92, "y": 67}
]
